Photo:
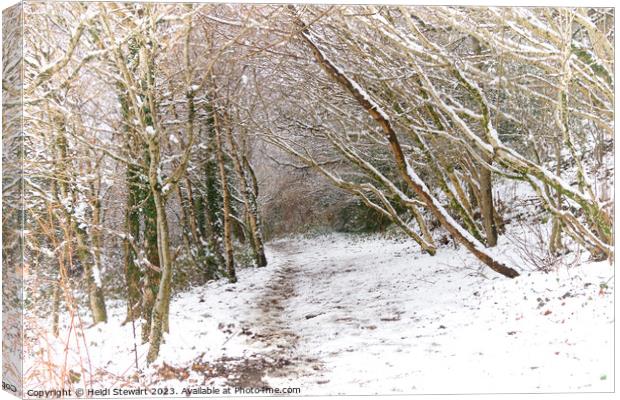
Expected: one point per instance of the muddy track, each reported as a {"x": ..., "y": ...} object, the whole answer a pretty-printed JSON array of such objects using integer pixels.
[
  {"x": 274, "y": 330},
  {"x": 271, "y": 330}
]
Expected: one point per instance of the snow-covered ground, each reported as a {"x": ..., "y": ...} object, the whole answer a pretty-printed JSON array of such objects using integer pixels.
[
  {"x": 389, "y": 320},
  {"x": 341, "y": 314}
]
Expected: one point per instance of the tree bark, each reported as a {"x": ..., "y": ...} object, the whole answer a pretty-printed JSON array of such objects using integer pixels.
[
  {"x": 250, "y": 210},
  {"x": 152, "y": 276},
  {"x": 159, "y": 315},
  {"x": 486, "y": 206},
  {"x": 211, "y": 201},
  {"x": 226, "y": 208},
  {"x": 56, "y": 308},
  {"x": 486, "y": 188},
  {"x": 132, "y": 228}
]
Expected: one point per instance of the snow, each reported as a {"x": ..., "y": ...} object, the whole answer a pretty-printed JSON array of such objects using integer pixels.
[
  {"x": 372, "y": 315},
  {"x": 47, "y": 252},
  {"x": 394, "y": 321},
  {"x": 80, "y": 210},
  {"x": 97, "y": 276}
]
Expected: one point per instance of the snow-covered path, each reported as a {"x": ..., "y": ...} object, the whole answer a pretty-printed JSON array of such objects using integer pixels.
[
  {"x": 381, "y": 318},
  {"x": 341, "y": 314}
]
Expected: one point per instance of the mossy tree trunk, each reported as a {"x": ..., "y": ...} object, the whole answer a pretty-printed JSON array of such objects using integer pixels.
[
  {"x": 132, "y": 229},
  {"x": 210, "y": 205}
]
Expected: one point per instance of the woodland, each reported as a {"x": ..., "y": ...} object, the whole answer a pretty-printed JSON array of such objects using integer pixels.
[{"x": 166, "y": 147}]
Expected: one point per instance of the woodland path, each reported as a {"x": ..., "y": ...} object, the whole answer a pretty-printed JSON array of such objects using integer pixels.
[
  {"x": 339, "y": 314},
  {"x": 350, "y": 315},
  {"x": 272, "y": 329}
]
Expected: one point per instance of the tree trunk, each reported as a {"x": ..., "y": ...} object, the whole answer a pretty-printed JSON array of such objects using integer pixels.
[
  {"x": 555, "y": 241},
  {"x": 162, "y": 302},
  {"x": 486, "y": 189},
  {"x": 92, "y": 278},
  {"x": 250, "y": 210},
  {"x": 486, "y": 206},
  {"x": 206, "y": 231},
  {"x": 212, "y": 199},
  {"x": 132, "y": 228},
  {"x": 253, "y": 196},
  {"x": 56, "y": 308},
  {"x": 226, "y": 208},
  {"x": 159, "y": 316},
  {"x": 152, "y": 276},
  {"x": 99, "y": 303}
]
